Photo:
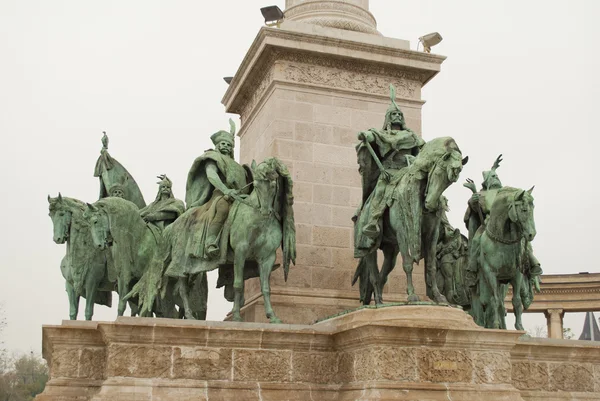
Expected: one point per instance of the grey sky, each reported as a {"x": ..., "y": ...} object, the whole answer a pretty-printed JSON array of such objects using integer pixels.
[{"x": 520, "y": 79}]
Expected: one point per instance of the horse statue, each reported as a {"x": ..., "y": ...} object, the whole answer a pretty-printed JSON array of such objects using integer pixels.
[
  {"x": 411, "y": 224},
  {"x": 260, "y": 224},
  {"x": 500, "y": 255},
  {"x": 84, "y": 267},
  {"x": 135, "y": 247},
  {"x": 256, "y": 226}
]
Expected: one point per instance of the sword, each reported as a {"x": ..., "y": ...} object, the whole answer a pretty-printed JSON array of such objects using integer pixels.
[{"x": 386, "y": 175}]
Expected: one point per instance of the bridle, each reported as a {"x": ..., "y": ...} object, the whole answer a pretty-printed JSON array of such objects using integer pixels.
[
  {"x": 518, "y": 224},
  {"x": 272, "y": 211}
]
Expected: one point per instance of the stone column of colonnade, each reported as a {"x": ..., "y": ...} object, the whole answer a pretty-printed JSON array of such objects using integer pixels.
[
  {"x": 554, "y": 318},
  {"x": 303, "y": 92}
]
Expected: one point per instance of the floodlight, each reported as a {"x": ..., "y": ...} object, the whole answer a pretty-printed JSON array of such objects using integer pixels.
[
  {"x": 273, "y": 15},
  {"x": 227, "y": 79},
  {"x": 430, "y": 40}
]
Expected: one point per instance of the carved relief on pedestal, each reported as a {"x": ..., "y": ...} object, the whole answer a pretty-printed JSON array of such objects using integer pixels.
[{"x": 337, "y": 73}]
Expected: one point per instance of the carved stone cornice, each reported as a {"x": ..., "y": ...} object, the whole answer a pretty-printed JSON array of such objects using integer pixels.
[{"x": 288, "y": 56}]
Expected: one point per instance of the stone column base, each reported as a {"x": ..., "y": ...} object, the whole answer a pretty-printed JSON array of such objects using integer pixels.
[{"x": 408, "y": 352}]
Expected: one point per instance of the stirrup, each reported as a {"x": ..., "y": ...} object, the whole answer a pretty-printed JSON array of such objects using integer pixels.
[
  {"x": 212, "y": 251},
  {"x": 371, "y": 230}
]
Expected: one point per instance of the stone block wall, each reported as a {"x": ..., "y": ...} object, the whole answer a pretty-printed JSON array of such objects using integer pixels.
[
  {"x": 419, "y": 352},
  {"x": 314, "y": 132}
]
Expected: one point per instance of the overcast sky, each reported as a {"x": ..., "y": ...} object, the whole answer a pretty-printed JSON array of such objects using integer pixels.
[{"x": 520, "y": 79}]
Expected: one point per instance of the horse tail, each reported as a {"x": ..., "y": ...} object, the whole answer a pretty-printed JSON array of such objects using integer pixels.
[{"x": 286, "y": 211}]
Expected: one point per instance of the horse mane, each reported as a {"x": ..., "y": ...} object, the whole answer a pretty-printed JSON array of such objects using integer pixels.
[
  {"x": 69, "y": 203},
  {"x": 284, "y": 203},
  {"x": 410, "y": 201},
  {"x": 433, "y": 150}
]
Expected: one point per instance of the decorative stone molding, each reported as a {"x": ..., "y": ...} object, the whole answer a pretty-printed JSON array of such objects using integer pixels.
[
  {"x": 351, "y": 76},
  {"x": 336, "y": 73},
  {"x": 334, "y": 14},
  {"x": 382, "y": 62}
]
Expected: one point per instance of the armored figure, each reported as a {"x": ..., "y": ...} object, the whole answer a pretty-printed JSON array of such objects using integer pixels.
[
  {"x": 394, "y": 146},
  {"x": 165, "y": 209},
  {"x": 478, "y": 210}
]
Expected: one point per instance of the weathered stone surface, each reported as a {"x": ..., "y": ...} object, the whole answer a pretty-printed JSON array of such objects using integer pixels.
[
  {"x": 492, "y": 367},
  {"x": 92, "y": 363},
  {"x": 597, "y": 378},
  {"x": 179, "y": 394},
  {"x": 65, "y": 362},
  {"x": 571, "y": 377},
  {"x": 262, "y": 365},
  {"x": 386, "y": 363},
  {"x": 345, "y": 372},
  {"x": 530, "y": 375},
  {"x": 202, "y": 363},
  {"x": 444, "y": 365},
  {"x": 314, "y": 367},
  {"x": 131, "y": 360}
]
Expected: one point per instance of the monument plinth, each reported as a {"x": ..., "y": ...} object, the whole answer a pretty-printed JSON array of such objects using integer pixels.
[
  {"x": 409, "y": 352},
  {"x": 303, "y": 92}
]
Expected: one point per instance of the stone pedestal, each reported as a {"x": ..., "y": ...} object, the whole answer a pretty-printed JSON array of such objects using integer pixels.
[
  {"x": 303, "y": 92},
  {"x": 410, "y": 352}
]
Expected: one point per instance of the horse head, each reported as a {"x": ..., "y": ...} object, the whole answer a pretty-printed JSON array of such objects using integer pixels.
[
  {"x": 99, "y": 226},
  {"x": 266, "y": 175},
  {"x": 520, "y": 212},
  {"x": 61, "y": 216},
  {"x": 444, "y": 172}
]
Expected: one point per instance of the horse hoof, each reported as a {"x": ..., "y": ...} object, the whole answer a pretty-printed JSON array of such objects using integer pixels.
[
  {"x": 237, "y": 318},
  {"x": 413, "y": 298},
  {"x": 275, "y": 319},
  {"x": 440, "y": 299}
]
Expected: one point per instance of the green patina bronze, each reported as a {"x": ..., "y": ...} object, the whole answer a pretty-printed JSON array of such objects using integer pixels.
[
  {"x": 115, "y": 180},
  {"x": 501, "y": 227},
  {"x": 475, "y": 273},
  {"x": 236, "y": 219},
  {"x": 86, "y": 269},
  {"x": 403, "y": 181}
]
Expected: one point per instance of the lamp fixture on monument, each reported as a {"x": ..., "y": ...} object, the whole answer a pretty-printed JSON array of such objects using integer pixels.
[
  {"x": 273, "y": 15},
  {"x": 429, "y": 41}
]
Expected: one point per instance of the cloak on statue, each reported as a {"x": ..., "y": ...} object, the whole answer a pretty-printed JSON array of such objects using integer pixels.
[
  {"x": 188, "y": 233},
  {"x": 393, "y": 148},
  {"x": 113, "y": 176}
]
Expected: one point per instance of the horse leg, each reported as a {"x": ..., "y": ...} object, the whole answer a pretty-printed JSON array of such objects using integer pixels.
[
  {"x": 122, "y": 290},
  {"x": 390, "y": 254},
  {"x": 183, "y": 293},
  {"x": 73, "y": 300},
  {"x": 265, "y": 267},
  {"x": 135, "y": 309},
  {"x": 238, "y": 280},
  {"x": 431, "y": 268},
  {"x": 446, "y": 270},
  {"x": 492, "y": 318},
  {"x": 90, "y": 298},
  {"x": 407, "y": 265},
  {"x": 517, "y": 302}
]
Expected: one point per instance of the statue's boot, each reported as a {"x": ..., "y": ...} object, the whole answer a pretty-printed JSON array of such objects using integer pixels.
[{"x": 212, "y": 241}]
